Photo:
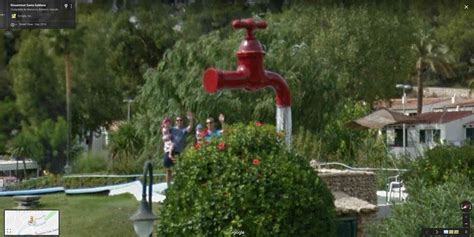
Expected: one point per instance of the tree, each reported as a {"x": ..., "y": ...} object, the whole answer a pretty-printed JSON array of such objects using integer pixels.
[
  {"x": 23, "y": 146},
  {"x": 10, "y": 120},
  {"x": 138, "y": 36},
  {"x": 341, "y": 143},
  {"x": 44, "y": 142},
  {"x": 456, "y": 33},
  {"x": 5, "y": 83},
  {"x": 35, "y": 84},
  {"x": 65, "y": 43},
  {"x": 433, "y": 57},
  {"x": 97, "y": 98},
  {"x": 202, "y": 17}
]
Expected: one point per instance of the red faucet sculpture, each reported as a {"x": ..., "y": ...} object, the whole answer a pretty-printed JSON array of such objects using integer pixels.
[{"x": 251, "y": 76}]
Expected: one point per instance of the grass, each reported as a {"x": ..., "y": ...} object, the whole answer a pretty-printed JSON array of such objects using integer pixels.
[{"x": 88, "y": 215}]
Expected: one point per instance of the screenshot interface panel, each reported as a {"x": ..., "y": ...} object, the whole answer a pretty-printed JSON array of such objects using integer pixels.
[{"x": 37, "y": 14}]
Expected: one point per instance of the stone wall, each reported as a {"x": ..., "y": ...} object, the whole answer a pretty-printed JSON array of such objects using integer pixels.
[
  {"x": 363, "y": 221},
  {"x": 361, "y": 185},
  {"x": 444, "y": 92}
]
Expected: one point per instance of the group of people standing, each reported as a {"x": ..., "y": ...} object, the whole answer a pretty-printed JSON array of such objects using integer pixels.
[{"x": 174, "y": 138}]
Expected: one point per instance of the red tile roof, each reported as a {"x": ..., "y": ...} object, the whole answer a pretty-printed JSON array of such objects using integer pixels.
[
  {"x": 461, "y": 103},
  {"x": 442, "y": 117}
]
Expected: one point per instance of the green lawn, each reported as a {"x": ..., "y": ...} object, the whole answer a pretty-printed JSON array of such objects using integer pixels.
[{"x": 88, "y": 215}]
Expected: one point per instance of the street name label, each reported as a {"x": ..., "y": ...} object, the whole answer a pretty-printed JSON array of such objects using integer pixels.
[{"x": 31, "y": 223}]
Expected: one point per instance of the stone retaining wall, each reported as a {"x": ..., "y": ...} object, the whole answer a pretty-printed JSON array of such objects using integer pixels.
[
  {"x": 357, "y": 184},
  {"x": 444, "y": 92}
]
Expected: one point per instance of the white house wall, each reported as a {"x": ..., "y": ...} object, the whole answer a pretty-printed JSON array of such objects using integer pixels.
[
  {"x": 450, "y": 133},
  {"x": 455, "y": 131},
  {"x": 412, "y": 148},
  {"x": 421, "y": 148}
]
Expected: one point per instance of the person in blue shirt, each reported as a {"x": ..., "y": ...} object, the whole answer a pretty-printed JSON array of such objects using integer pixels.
[
  {"x": 200, "y": 134},
  {"x": 212, "y": 131},
  {"x": 179, "y": 132}
]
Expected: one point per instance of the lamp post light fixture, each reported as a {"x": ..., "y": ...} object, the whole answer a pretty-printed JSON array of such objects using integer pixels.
[
  {"x": 143, "y": 218},
  {"x": 404, "y": 97},
  {"x": 129, "y": 101}
]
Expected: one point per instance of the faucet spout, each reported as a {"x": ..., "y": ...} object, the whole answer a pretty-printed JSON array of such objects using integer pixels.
[
  {"x": 215, "y": 80},
  {"x": 279, "y": 85}
]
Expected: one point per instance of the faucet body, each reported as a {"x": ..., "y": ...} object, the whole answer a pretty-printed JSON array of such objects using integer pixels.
[{"x": 249, "y": 74}]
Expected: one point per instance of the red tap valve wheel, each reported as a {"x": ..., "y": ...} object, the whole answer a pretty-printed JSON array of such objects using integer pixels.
[{"x": 249, "y": 25}]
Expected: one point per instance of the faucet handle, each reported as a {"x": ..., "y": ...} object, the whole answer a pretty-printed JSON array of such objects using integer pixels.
[{"x": 249, "y": 24}]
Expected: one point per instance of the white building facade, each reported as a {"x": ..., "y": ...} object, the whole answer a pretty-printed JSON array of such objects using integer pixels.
[{"x": 432, "y": 129}]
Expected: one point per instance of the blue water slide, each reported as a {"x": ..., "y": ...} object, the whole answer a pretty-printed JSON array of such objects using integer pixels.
[
  {"x": 96, "y": 189},
  {"x": 32, "y": 192}
]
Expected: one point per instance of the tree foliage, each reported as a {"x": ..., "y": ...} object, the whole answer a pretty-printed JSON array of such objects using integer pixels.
[
  {"x": 125, "y": 147},
  {"x": 137, "y": 39},
  {"x": 433, "y": 59},
  {"x": 38, "y": 92},
  {"x": 97, "y": 97},
  {"x": 426, "y": 207},
  {"x": 457, "y": 32},
  {"x": 10, "y": 120},
  {"x": 442, "y": 163},
  {"x": 44, "y": 142}
]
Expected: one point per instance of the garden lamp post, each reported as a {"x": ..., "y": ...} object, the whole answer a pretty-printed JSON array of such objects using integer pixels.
[
  {"x": 404, "y": 97},
  {"x": 143, "y": 218},
  {"x": 129, "y": 101}
]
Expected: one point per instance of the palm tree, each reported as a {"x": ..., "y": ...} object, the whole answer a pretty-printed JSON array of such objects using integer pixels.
[
  {"x": 433, "y": 57},
  {"x": 24, "y": 145},
  {"x": 64, "y": 43}
]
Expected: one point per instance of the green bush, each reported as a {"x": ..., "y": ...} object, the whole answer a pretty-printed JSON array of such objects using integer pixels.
[
  {"x": 45, "y": 143},
  {"x": 430, "y": 207},
  {"x": 125, "y": 147},
  {"x": 90, "y": 163},
  {"x": 246, "y": 182},
  {"x": 69, "y": 183},
  {"x": 440, "y": 163}
]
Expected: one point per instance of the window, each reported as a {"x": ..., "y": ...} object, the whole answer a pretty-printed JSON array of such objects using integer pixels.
[
  {"x": 436, "y": 135},
  {"x": 430, "y": 135},
  {"x": 347, "y": 226},
  {"x": 422, "y": 136},
  {"x": 470, "y": 134},
  {"x": 390, "y": 137},
  {"x": 399, "y": 137}
]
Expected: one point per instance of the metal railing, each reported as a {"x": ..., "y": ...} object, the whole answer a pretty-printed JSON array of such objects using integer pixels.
[
  {"x": 393, "y": 183},
  {"x": 361, "y": 169}
]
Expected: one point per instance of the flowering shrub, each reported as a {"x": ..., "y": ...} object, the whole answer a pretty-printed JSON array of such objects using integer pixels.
[{"x": 246, "y": 183}]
